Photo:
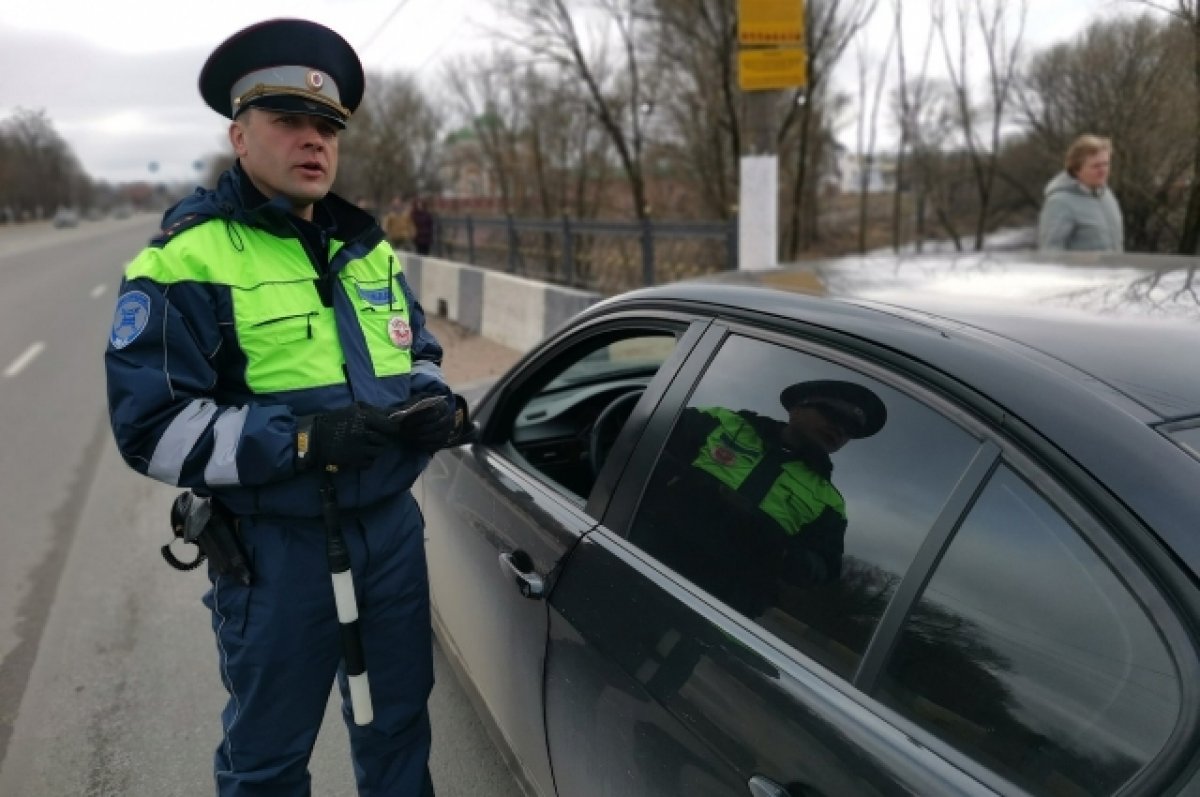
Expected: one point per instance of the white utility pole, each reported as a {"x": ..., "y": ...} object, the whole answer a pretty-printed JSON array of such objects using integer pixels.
[{"x": 771, "y": 57}]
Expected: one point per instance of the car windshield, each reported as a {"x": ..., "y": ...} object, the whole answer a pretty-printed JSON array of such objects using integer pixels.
[{"x": 641, "y": 357}]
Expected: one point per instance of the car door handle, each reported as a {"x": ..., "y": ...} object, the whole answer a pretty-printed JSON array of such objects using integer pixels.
[{"x": 529, "y": 582}]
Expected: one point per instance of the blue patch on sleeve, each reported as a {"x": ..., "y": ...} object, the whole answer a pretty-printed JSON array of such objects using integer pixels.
[
  {"x": 131, "y": 317},
  {"x": 376, "y": 295}
]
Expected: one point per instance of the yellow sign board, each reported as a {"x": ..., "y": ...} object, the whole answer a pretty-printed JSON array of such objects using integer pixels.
[
  {"x": 775, "y": 68},
  {"x": 779, "y": 22}
]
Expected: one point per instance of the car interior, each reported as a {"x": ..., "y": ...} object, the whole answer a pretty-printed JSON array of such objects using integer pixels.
[{"x": 573, "y": 414}]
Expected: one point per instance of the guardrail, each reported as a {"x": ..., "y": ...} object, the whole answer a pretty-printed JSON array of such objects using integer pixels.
[{"x": 604, "y": 256}]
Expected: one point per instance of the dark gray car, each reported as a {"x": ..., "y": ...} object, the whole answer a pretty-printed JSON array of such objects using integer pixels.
[{"x": 978, "y": 576}]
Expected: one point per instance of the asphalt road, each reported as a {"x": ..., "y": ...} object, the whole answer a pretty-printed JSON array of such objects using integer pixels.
[{"x": 108, "y": 676}]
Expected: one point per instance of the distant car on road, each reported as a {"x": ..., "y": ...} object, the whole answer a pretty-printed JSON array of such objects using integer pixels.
[
  {"x": 65, "y": 217},
  {"x": 1008, "y": 596}
]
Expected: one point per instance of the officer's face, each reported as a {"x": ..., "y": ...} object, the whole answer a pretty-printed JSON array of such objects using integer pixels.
[
  {"x": 287, "y": 154},
  {"x": 818, "y": 427}
]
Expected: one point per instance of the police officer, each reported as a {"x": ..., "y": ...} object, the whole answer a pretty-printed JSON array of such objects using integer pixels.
[
  {"x": 761, "y": 490},
  {"x": 260, "y": 345}
]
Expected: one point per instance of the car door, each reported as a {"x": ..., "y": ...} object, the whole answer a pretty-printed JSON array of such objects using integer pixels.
[
  {"x": 936, "y": 663},
  {"x": 503, "y": 513},
  {"x": 656, "y": 685}
]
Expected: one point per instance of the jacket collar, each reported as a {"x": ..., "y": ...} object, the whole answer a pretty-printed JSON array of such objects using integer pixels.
[{"x": 235, "y": 198}]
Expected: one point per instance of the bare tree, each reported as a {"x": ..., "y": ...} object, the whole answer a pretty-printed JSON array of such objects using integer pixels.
[
  {"x": 532, "y": 134},
  {"x": 41, "y": 170},
  {"x": 829, "y": 29},
  {"x": 907, "y": 98},
  {"x": 699, "y": 97},
  {"x": 940, "y": 172},
  {"x": 1001, "y": 44},
  {"x": 1187, "y": 12},
  {"x": 618, "y": 96},
  {"x": 867, "y": 131},
  {"x": 389, "y": 147},
  {"x": 488, "y": 101}
]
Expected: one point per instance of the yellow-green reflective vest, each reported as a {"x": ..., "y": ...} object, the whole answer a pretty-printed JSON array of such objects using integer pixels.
[
  {"x": 734, "y": 449},
  {"x": 282, "y": 326}
]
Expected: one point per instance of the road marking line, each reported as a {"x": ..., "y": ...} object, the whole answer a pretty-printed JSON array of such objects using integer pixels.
[
  {"x": 98, "y": 291},
  {"x": 25, "y": 359}
]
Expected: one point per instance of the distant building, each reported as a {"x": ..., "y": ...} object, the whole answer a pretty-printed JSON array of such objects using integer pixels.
[
  {"x": 467, "y": 181},
  {"x": 879, "y": 170}
]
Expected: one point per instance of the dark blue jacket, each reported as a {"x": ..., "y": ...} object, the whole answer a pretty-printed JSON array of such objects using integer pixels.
[{"x": 240, "y": 317}]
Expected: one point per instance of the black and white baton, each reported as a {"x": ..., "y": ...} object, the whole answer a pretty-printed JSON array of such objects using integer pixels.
[{"x": 347, "y": 606}]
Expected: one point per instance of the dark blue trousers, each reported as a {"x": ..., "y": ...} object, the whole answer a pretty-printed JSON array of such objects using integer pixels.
[{"x": 279, "y": 650}]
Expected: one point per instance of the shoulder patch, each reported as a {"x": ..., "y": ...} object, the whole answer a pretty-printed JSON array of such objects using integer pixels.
[{"x": 131, "y": 316}]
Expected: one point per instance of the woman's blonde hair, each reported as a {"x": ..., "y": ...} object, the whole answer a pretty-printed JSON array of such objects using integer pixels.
[{"x": 1083, "y": 148}]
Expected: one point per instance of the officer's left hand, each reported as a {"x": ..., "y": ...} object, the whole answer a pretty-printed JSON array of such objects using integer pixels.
[{"x": 427, "y": 429}]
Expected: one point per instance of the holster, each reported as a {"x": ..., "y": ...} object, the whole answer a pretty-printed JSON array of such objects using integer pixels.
[{"x": 205, "y": 524}]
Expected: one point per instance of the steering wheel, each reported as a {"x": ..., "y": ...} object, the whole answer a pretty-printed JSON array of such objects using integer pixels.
[{"x": 608, "y": 424}]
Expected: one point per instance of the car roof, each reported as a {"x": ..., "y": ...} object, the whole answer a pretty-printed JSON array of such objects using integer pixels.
[{"x": 1129, "y": 322}]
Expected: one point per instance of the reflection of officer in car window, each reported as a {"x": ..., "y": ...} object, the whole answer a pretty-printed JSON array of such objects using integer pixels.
[{"x": 749, "y": 501}]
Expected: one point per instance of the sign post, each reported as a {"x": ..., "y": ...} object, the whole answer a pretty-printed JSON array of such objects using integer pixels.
[{"x": 771, "y": 57}]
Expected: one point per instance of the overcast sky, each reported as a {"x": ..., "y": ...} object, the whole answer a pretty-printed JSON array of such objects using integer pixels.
[{"x": 118, "y": 77}]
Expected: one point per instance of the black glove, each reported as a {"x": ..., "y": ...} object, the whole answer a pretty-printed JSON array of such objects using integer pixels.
[
  {"x": 426, "y": 421},
  {"x": 351, "y": 437}
]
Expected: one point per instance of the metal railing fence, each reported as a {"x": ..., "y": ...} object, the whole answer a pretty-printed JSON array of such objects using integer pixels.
[{"x": 603, "y": 256}]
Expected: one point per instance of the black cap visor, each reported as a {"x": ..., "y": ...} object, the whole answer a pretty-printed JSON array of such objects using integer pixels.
[{"x": 850, "y": 422}]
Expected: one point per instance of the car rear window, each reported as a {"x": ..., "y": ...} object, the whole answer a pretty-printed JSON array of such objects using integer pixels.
[{"x": 1029, "y": 652}]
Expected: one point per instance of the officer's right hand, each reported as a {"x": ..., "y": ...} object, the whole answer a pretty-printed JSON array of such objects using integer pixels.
[{"x": 351, "y": 437}]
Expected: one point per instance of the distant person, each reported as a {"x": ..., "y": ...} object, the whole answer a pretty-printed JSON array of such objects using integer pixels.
[
  {"x": 1081, "y": 213},
  {"x": 422, "y": 220},
  {"x": 398, "y": 225}
]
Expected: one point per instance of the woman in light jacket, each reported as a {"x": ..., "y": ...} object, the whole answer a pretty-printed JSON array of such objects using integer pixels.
[{"x": 1080, "y": 212}]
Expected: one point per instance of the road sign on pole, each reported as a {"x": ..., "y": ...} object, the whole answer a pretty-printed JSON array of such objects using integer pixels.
[
  {"x": 772, "y": 68},
  {"x": 779, "y": 22},
  {"x": 771, "y": 57}
]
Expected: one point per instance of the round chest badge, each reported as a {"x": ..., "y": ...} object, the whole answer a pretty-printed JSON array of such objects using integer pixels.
[
  {"x": 723, "y": 455},
  {"x": 400, "y": 333}
]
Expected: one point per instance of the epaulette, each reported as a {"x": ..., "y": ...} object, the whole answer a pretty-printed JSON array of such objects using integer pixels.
[{"x": 185, "y": 222}]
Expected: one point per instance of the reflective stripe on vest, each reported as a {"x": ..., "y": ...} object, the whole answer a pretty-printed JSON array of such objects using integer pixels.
[
  {"x": 734, "y": 449},
  {"x": 282, "y": 327}
]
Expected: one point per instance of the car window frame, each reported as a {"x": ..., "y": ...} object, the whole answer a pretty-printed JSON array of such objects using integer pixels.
[
  {"x": 510, "y": 397},
  {"x": 1117, "y": 536}
]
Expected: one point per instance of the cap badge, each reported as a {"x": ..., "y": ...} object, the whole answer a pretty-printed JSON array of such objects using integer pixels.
[
  {"x": 400, "y": 333},
  {"x": 315, "y": 80}
]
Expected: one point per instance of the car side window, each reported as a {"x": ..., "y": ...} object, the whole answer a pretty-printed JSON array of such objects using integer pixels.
[
  {"x": 570, "y": 415},
  {"x": 1029, "y": 653},
  {"x": 797, "y": 491}
]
